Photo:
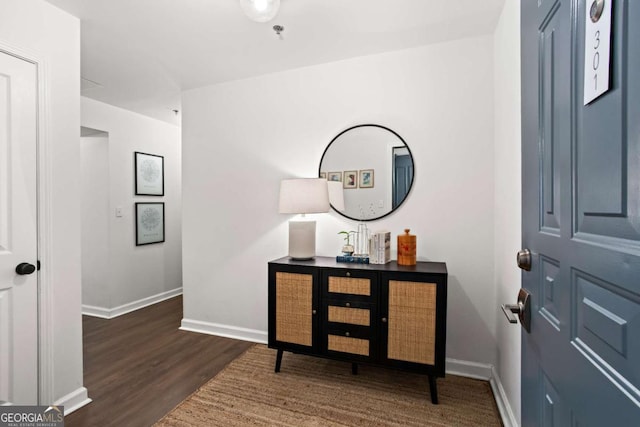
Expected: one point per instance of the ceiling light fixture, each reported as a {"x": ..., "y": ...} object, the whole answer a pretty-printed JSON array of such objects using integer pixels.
[{"x": 260, "y": 10}]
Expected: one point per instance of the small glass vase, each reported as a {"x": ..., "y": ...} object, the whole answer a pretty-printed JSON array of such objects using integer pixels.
[{"x": 362, "y": 241}]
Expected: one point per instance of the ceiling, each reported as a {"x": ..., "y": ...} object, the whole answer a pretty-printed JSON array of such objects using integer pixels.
[{"x": 140, "y": 54}]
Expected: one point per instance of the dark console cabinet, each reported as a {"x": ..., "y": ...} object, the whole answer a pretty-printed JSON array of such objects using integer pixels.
[{"x": 387, "y": 315}]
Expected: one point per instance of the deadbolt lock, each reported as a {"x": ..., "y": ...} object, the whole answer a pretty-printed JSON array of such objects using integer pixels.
[{"x": 523, "y": 258}]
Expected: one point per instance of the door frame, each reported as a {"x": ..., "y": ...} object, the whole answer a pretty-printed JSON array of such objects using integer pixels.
[{"x": 44, "y": 220}]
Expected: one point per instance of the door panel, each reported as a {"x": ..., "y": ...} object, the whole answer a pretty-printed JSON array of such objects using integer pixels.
[
  {"x": 581, "y": 220},
  {"x": 552, "y": 131},
  {"x": 606, "y": 153},
  {"x": 18, "y": 238}
]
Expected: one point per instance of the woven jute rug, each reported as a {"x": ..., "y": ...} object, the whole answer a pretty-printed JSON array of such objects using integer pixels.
[{"x": 312, "y": 391}]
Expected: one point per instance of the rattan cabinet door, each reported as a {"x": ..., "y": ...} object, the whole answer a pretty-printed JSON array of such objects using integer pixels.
[
  {"x": 413, "y": 313},
  {"x": 293, "y": 309}
]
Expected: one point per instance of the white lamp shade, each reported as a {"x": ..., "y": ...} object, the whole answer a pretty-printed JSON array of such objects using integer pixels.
[
  {"x": 260, "y": 10},
  {"x": 336, "y": 195},
  {"x": 304, "y": 195}
]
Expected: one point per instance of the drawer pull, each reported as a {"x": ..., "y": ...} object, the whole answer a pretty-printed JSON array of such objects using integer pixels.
[
  {"x": 384, "y": 320},
  {"x": 348, "y": 274},
  {"x": 348, "y": 304},
  {"x": 313, "y": 312},
  {"x": 346, "y": 334}
]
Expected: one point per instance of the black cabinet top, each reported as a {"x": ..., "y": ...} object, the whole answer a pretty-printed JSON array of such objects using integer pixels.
[{"x": 330, "y": 262}]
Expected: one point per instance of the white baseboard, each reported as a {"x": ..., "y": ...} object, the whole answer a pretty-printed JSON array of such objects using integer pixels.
[
  {"x": 110, "y": 313},
  {"x": 506, "y": 413},
  {"x": 92, "y": 310},
  {"x": 74, "y": 400},
  {"x": 226, "y": 331},
  {"x": 465, "y": 368}
]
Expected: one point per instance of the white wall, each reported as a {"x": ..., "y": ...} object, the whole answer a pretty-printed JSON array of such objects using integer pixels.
[
  {"x": 138, "y": 272},
  {"x": 52, "y": 36},
  {"x": 95, "y": 220},
  {"x": 241, "y": 138},
  {"x": 507, "y": 194}
]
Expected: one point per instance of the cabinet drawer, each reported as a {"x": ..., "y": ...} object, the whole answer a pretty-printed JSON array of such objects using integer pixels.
[
  {"x": 349, "y": 345},
  {"x": 357, "y": 285},
  {"x": 350, "y": 315},
  {"x": 349, "y": 285}
]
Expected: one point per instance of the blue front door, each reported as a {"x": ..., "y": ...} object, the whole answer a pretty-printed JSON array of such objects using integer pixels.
[{"x": 581, "y": 218}]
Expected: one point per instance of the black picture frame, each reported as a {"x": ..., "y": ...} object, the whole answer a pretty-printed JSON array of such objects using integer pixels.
[
  {"x": 150, "y": 223},
  {"x": 149, "y": 174}
]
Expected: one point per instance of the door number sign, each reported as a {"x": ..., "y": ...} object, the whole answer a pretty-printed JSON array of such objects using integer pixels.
[{"x": 597, "y": 48}]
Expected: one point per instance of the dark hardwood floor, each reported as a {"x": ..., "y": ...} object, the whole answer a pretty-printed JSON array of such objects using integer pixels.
[{"x": 139, "y": 366}]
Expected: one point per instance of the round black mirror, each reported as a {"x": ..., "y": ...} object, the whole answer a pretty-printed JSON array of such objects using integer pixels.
[{"x": 375, "y": 167}]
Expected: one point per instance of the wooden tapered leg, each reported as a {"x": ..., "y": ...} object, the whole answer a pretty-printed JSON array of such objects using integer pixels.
[{"x": 433, "y": 389}]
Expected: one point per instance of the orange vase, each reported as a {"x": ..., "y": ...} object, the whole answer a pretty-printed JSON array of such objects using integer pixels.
[{"x": 406, "y": 248}]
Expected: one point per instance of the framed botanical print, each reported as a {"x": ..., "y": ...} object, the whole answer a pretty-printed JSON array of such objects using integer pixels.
[
  {"x": 149, "y": 223},
  {"x": 149, "y": 174},
  {"x": 366, "y": 178}
]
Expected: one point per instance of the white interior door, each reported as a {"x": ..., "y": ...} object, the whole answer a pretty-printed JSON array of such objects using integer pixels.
[{"x": 18, "y": 232}]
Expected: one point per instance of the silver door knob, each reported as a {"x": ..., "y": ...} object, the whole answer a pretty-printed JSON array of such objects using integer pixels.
[{"x": 523, "y": 258}]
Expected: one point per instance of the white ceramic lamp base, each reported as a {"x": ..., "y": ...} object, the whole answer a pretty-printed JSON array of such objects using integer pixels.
[{"x": 302, "y": 239}]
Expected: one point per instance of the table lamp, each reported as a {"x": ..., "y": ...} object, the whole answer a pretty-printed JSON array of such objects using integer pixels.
[{"x": 303, "y": 196}]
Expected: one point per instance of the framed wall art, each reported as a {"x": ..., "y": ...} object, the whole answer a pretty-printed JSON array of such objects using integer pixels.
[
  {"x": 334, "y": 176},
  {"x": 366, "y": 178},
  {"x": 149, "y": 174},
  {"x": 149, "y": 223},
  {"x": 350, "y": 179}
]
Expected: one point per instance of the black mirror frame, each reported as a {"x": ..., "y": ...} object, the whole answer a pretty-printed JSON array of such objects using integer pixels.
[{"x": 413, "y": 173}]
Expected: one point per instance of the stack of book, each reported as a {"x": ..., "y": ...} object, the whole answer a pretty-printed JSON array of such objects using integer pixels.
[
  {"x": 353, "y": 259},
  {"x": 380, "y": 247}
]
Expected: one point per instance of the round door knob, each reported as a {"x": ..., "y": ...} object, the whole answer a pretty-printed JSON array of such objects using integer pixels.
[
  {"x": 384, "y": 320},
  {"x": 348, "y": 274},
  {"x": 347, "y": 334},
  {"x": 25, "y": 268},
  {"x": 348, "y": 304},
  {"x": 313, "y": 312}
]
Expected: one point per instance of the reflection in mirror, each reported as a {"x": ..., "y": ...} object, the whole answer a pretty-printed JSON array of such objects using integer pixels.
[{"x": 375, "y": 167}]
